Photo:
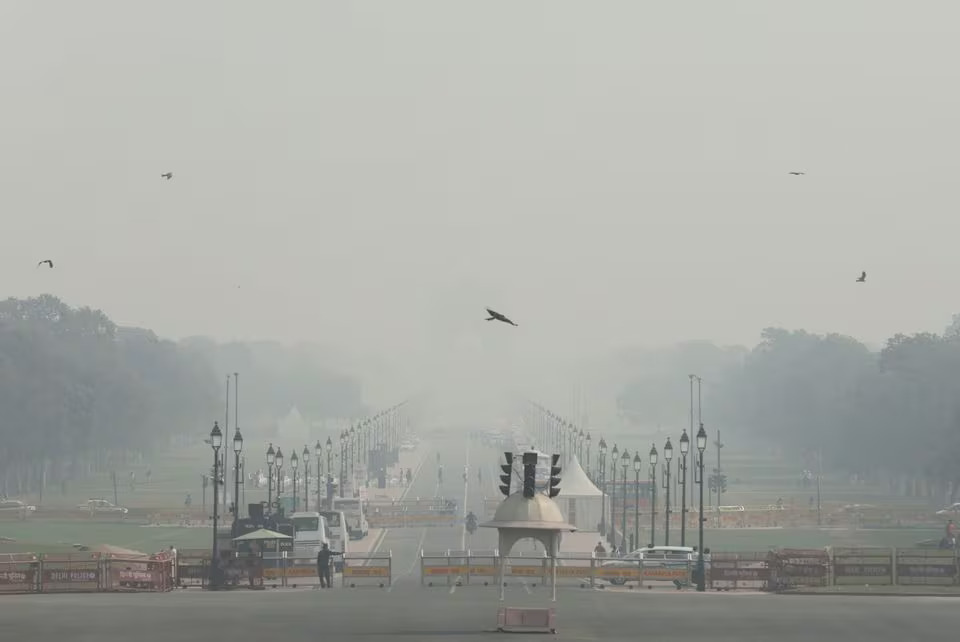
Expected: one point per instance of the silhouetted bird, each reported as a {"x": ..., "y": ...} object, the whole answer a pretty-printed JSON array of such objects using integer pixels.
[
  {"x": 47, "y": 261},
  {"x": 167, "y": 176},
  {"x": 862, "y": 278},
  {"x": 797, "y": 173},
  {"x": 496, "y": 316}
]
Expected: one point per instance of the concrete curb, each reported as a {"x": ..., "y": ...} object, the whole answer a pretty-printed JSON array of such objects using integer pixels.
[{"x": 868, "y": 594}]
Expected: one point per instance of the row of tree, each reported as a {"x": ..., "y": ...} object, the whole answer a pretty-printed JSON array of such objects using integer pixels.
[
  {"x": 79, "y": 394},
  {"x": 893, "y": 412}
]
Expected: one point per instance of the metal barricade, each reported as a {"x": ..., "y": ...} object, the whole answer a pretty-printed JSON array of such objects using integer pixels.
[
  {"x": 73, "y": 573},
  {"x": 367, "y": 569},
  {"x": 19, "y": 573},
  {"x": 283, "y": 569},
  {"x": 435, "y": 565},
  {"x": 733, "y": 571}
]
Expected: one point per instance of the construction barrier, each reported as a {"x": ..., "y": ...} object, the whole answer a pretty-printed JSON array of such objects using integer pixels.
[
  {"x": 926, "y": 566},
  {"x": 733, "y": 571},
  {"x": 84, "y": 573},
  {"x": 367, "y": 569},
  {"x": 792, "y": 567},
  {"x": 863, "y": 566}
]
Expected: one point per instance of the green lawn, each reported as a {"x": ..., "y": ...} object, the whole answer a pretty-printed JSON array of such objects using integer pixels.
[{"x": 47, "y": 536}]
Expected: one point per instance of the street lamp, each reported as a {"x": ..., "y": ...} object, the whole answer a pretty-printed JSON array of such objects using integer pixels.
[
  {"x": 701, "y": 446},
  {"x": 329, "y": 473},
  {"x": 653, "y": 491},
  {"x": 343, "y": 457},
  {"x": 603, "y": 486},
  {"x": 216, "y": 440},
  {"x": 636, "y": 499},
  {"x": 589, "y": 472},
  {"x": 306, "y": 477},
  {"x": 270, "y": 459},
  {"x": 624, "y": 461},
  {"x": 684, "y": 449},
  {"x": 318, "y": 451},
  {"x": 612, "y": 535},
  {"x": 667, "y": 457},
  {"x": 237, "y": 447},
  {"x": 294, "y": 463},
  {"x": 278, "y": 463}
]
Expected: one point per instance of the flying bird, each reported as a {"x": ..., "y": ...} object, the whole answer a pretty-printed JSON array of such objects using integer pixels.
[
  {"x": 797, "y": 173},
  {"x": 862, "y": 278},
  {"x": 47, "y": 261},
  {"x": 167, "y": 176},
  {"x": 496, "y": 316}
]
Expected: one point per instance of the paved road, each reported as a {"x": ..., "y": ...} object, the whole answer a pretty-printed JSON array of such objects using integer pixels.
[{"x": 469, "y": 614}]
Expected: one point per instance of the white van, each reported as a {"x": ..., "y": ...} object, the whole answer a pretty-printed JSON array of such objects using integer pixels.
[
  {"x": 309, "y": 534},
  {"x": 337, "y": 535},
  {"x": 656, "y": 559},
  {"x": 352, "y": 507}
]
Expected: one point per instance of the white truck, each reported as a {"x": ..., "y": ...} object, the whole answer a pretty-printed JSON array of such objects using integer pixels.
[{"x": 352, "y": 507}]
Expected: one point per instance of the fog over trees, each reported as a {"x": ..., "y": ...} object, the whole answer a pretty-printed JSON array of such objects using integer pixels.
[{"x": 79, "y": 394}]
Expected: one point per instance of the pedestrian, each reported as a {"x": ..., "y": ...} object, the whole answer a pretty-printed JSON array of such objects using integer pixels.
[
  {"x": 324, "y": 562},
  {"x": 599, "y": 550}
]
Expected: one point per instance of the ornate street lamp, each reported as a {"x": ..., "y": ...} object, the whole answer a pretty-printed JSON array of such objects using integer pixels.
[
  {"x": 667, "y": 457},
  {"x": 653, "y": 499},
  {"x": 701, "y": 446},
  {"x": 237, "y": 447},
  {"x": 636, "y": 499},
  {"x": 216, "y": 441},
  {"x": 684, "y": 449},
  {"x": 270, "y": 459}
]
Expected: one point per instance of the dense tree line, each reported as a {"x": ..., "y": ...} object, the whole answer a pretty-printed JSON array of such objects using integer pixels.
[
  {"x": 881, "y": 415},
  {"x": 80, "y": 394}
]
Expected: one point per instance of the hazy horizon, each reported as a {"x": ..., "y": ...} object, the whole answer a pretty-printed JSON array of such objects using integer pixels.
[{"x": 369, "y": 176}]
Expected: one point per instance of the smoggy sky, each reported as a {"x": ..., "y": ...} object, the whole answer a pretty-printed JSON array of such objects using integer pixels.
[{"x": 370, "y": 175}]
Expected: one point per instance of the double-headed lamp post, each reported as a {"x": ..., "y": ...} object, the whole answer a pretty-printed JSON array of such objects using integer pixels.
[
  {"x": 306, "y": 477},
  {"x": 237, "y": 447},
  {"x": 653, "y": 496},
  {"x": 294, "y": 463},
  {"x": 684, "y": 449},
  {"x": 701, "y": 446},
  {"x": 278, "y": 464},
  {"x": 271, "y": 455},
  {"x": 603, "y": 487},
  {"x": 667, "y": 458},
  {"x": 612, "y": 535},
  {"x": 318, "y": 451},
  {"x": 624, "y": 462},
  {"x": 636, "y": 499},
  {"x": 216, "y": 440}
]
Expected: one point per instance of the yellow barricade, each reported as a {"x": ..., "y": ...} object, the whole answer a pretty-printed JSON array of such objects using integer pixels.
[{"x": 366, "y": 571}]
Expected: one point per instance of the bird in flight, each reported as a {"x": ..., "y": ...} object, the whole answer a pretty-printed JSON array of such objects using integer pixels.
[
  {"x": 47, "y": 261},
  {"x": 797, "y": 173},
  {"x": 862, "y": 278},
  {"x": 496, "y": 316},
  {"x": 167, "y": 176}
]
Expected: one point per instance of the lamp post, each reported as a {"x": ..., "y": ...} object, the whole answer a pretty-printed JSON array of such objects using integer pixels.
[
  {"x": 270, "y": 460},
  {"x": 278, "y": 463},
  {"x": 701, "y": 446},
  {"x": 667, "y": 457},
  {"x": 624, "y": 461},
  {"x": 636, "y": 499},
  {"x": 306, "y": 477},
  {"x": 684, "y": 449},
  {"x": 603, "y": 487},
  {"x": 612, "y": 535},
  {"x": 329, "y": 491},
  {"x": 653, "y": 499},
  {"x": 216, "y": 440},
  {"x": 318, "y": 451},
  {"x": 343, "y": 457},
  {"x": 590, "y": 473},
  {"x": 295, "y": 464},
  {"x": 353, "y": 463},
  {"x": 237, "y": 447}
]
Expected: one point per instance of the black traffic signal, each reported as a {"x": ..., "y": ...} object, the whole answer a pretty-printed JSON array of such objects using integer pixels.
[
  {"x": 529, "y": 475},
  {"x": 554, "y": 476},
  {"x": 507, "y": 469}
]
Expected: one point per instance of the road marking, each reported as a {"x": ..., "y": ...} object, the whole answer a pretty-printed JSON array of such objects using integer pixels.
[
  {"x": 413, "y": 564},
  {"x": 413, "y": 479}
]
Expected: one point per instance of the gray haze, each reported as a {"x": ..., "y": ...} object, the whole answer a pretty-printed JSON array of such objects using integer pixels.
[{"x": 370, "y": 175}]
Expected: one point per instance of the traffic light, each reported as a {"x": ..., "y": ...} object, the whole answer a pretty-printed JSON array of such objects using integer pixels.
[
  {"x": 507, "y": 469},
  {"x": 529, "y": 475},
  {"x": 554, "y": 476}
]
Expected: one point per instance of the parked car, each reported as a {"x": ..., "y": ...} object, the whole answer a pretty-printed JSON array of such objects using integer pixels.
[
  {"x": 16, "y": 507},
  {"x": 102, "y": 506},
  {"x": 656, "y": 557}
]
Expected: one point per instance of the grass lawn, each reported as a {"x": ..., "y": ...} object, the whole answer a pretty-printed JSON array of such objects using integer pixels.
[{"x": 49, "y": 536}]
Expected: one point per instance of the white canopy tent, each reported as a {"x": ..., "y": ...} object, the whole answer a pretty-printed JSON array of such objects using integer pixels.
[{"x": 580, "y": 501}]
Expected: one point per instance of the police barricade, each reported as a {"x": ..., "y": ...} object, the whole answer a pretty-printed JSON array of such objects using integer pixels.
[
  {"x": 193, "y": 567},
  {"x": 284, "y": 569},
  {"x": 732, "y": 571},
  {"x": 792, "y": 567},
  {"x": 576, "y": 569},
  {"x": 80, "y": 573},
  {"x": 360, "y": 569},
  {"x": 148, "y": 573},
  {"x": 863, "y": 566},
  {"x": 926, "y": 566},
  {"x": 481, "y": 567},
  {"x": 436, "y": 568},
  {"x": 19, "y": 573}
]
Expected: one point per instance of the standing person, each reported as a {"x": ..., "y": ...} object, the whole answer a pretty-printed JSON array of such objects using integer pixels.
[
  {"x": 952, "y": 533},
  {"x": 174, "y": 576},
  {"x": 324, "y": 561},
  {"x": 599, "y": 550}
]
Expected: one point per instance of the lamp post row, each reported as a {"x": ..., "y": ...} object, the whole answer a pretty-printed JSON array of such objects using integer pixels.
[{"x": 556, "y": 432}]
